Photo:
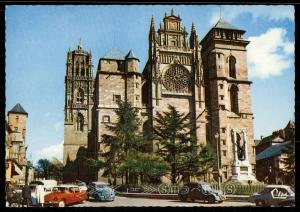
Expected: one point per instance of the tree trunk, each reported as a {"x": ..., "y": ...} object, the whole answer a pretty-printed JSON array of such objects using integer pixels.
[{"x": 126, "y": 177}]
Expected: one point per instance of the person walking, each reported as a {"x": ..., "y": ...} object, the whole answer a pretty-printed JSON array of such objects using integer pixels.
[
  {"x": 33, "y": 196},
  {"x": 9, "y": 193},
  {"x": 26, "y": 196},
  {"x": 40, "y": 194}
]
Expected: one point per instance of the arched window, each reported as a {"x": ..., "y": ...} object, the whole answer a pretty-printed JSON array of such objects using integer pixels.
[
  {"x": 80, "y": 96},
  {"x": 232, "y": 70},
  {"x": 79, "y": 122},
  {"x": 234, "y": 99},
  {"x": 82, "y": 69},
  {"x": 77, "y": 68}
]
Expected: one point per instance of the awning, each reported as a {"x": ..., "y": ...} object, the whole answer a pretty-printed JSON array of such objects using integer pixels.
[
  {"x": 18, "y": 170},
  {"x": 272, "y": 151}
]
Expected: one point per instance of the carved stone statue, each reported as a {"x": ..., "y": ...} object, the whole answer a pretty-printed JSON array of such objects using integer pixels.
[{"x": 240, "y": 147}]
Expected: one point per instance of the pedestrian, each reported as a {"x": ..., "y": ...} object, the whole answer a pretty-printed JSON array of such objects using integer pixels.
[
  {"x": 9, "y": 192},
  {"x": 40, "y": 194},
  {"x": 33, "y": 195},
  {"x": 26, "y": 195}
]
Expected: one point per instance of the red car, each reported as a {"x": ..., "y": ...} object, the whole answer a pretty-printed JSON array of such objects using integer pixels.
[{"x": 63, "y": 195}]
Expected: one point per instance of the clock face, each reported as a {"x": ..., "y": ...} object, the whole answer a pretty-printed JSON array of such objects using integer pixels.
[{"x": 177, "y": 79}]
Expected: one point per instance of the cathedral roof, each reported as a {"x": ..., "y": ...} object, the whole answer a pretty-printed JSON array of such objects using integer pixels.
[
  {"x": 114, "y": 54},
  {"x": 131, "y": 55},
  {"x": 18, "y": 109},
  {"x": 221, "y": 24}
]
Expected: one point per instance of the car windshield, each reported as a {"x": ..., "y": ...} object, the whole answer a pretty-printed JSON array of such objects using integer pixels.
[
  {"x": 290, "y": 191},
  {"x": 82, "y": 184},
  {"x": 100, "y": 186},
  {"x": 60, "y": 189},
  {"x": 206, "y": 187}
]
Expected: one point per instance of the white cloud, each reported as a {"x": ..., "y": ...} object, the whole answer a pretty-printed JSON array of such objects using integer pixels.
[
  {"x": 274, "y": 12},
  {"x": 55, "y": 150},
  {"x": 58, "y": 126},
  {"x": 269, "y": 53}
]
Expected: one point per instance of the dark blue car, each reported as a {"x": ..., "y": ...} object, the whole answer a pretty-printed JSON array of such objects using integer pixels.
[{"x": 100, "y": 191}]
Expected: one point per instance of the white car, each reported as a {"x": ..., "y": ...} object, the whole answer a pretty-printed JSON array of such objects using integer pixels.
[{"x": 82, "y": 186}]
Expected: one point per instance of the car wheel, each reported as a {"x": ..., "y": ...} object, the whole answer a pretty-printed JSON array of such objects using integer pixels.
[
  {"x": 259, "y": 203},
  {"x": 183, "y": 199},
  {"x": 61, "y": 204},
  {"x": 211, "y": 199},
  {"x": 14, "y": 204}
]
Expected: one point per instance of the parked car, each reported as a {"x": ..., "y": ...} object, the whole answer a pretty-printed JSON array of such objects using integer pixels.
[
  {"x": 63, "y": 195},
  {"x": 82, "y": 186},
  {"x": 100, "y": 191},
  {"x": 200, "y": 191},
  {"x": 277, "y": 195}
]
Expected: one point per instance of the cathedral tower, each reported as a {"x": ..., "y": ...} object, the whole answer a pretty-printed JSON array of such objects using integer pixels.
[
  {"x": 228, "y": 95},
  {"x": 78, "y": 102},
  {"x": 173, "y": 73}
]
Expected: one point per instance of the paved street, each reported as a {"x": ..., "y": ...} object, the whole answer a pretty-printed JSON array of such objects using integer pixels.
[{"x": 141, "y": 202}]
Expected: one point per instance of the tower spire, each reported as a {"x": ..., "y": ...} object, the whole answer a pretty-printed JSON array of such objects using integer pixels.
[
  {"x": 152, "y": 26},
  {"x": 80, "y": 45},
  {"x": 193, "y": 27},
  {"x": 172, "y": 11}
]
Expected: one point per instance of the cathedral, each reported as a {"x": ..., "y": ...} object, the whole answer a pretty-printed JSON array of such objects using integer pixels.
[{"x": 207, "y": 78}]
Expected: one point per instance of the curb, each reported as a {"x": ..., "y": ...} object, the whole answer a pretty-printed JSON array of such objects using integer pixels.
[
  {"x": 150, "y": 196},
  {"x": 233, "y": 198}
]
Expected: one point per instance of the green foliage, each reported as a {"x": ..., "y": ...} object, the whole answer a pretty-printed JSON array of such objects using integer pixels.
[
  {"x": 288, "y": 171},
  {"x": 49, "y": 170},
  {"x": 126, "y": 128},
  {"x": 176, "y": 136},
  {"x": 148, "y": 165},
  {"x": 43, "y": 166}
]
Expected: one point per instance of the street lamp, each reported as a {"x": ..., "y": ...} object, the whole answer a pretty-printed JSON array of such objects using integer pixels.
[{"x": 218, "y": 163}]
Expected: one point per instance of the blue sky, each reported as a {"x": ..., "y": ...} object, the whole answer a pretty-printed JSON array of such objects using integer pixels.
[{"x": 38, "y": 38}]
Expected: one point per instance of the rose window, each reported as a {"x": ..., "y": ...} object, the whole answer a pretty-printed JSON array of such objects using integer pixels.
[{"x": 177, "y": 79}]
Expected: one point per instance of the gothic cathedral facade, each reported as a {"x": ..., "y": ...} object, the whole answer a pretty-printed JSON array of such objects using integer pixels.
[{"x": 208, "y": 79}]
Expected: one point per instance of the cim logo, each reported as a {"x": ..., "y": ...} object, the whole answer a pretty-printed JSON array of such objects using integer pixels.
[{"x": 276, "y": 194}]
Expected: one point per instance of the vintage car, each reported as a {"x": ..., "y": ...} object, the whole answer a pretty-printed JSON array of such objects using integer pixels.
[
  {"x": 200, "y": 191},
  {"x": 100, "y": 191},
  {"x": 63, "y": 195},
  {"x": 274, "y": 195},
  {"x": 82, "y": 186}
]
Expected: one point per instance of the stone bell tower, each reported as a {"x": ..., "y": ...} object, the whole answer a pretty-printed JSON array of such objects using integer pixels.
[
  {"x": 228, "y": 96},
  {"x": 78, "y": 101}
]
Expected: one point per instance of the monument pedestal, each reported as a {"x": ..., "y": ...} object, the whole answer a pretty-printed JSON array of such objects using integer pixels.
[{"x": 241, "y": 167}]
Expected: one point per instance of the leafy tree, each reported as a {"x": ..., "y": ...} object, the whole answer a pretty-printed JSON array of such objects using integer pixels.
[
  {"x": 55, "y": 171},
  {"x": 126, "y": 133},
  {"x": 172, "y": 131},
  {"x": 125, "y": 137},
  {"x": 288, "y": 171},
  {"x": 112, "y": 157},
  {"x": 149, "y": 166},
  {"x": 49, "y": 170},
  {"x": 176, "y": 137},
  {"x": 44, "y": 166}
]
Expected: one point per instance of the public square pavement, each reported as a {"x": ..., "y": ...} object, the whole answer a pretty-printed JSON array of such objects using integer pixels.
[{"x": 145, "y": 202}]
